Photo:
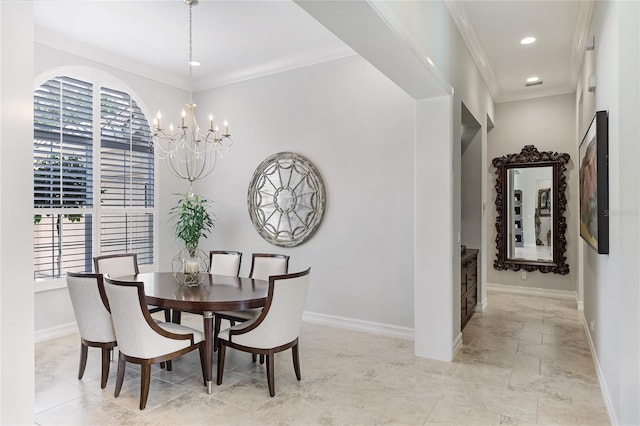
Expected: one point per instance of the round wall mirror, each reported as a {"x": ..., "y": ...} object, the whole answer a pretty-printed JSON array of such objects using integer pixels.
[{"x": 286, "y": 199}]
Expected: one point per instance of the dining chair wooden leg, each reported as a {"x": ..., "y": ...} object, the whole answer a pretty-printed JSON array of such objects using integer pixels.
[
  {"x": 254, "y": 357},
  {"x": 120, "y": 378},
  {"x": 296, "y": 361},
  {"x": 221, "y": 351},
  {"x": 217, "y": 323},
  {"x": 106, "y": 360},
  {"x": 84, "y": 349},
  {"x": 261, "y": 358},
  {"x": 145, "y": 380},
  {"x": 169, "y": 366},
  {"x": 270, "y": 375},
  {"x": 167, "y": 315}
]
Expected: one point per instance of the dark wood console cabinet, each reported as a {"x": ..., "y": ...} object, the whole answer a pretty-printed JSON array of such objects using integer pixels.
[{"x": 468, "y": 285}]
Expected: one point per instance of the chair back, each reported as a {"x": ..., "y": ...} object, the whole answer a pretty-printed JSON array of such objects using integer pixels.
[
  {"x": 138, "y": 335},
  {"x": 90, "y": 307},
  {"x": 116, "y": 265},
  {"x": 263, "y": 265},
  {"x": 281, "y": 318},
  {"x": 225, "y": 262}
]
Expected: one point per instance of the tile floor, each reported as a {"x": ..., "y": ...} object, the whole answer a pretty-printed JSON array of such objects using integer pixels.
[{"x": 525, "y": 360}]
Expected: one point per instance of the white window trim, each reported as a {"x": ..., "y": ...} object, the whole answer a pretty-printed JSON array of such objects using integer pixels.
[{"x": 101, "y": 79}]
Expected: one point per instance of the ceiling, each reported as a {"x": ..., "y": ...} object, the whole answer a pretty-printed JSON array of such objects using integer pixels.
[
  {"x": 239, "y": 40},
  {"x": 233, "y": 40},
  {"x": 493, "y": 29}
]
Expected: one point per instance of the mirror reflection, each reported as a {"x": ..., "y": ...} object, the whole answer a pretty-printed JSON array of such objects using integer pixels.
[{"x": 529, "y": 213}]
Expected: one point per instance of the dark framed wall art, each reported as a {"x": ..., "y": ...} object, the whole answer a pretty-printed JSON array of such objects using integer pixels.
[
  {"x": 594, "y": 184},
  {"x": 544, "y": 202}
]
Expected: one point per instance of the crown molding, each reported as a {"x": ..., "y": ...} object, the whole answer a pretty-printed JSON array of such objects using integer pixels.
[
  {"x": 106, "y": 57},
  {"x": 540, "y": 94},
  {"x": 399, "y": 30},
  {"x": 585, "y": 12},
  {"x": 88, "y": 51},
  {"x": 459, "y": 16},
  {"x": 274, "y": 67}
]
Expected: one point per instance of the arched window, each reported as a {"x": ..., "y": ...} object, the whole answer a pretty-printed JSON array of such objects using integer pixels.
[{"x": 93, "y": 166}]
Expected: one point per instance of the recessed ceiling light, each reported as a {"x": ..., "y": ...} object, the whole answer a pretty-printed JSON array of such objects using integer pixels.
[
  {"x": 527, "y": 40},
  {"x": 194, "y": 63},
  {"x": 530, "y": 82}
]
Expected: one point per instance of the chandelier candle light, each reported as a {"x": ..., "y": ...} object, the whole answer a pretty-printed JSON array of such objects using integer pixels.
[{"x": 190, "y": 153}]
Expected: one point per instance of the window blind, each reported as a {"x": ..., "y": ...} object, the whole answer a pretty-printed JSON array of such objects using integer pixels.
[
  {"x": 126, "y": 176},
  {"x": 126, "y": 150},
  {"x": 63, "y": 176},
  {"x": 126, "y": 233},
  {"x": 64, "y": 188},
  {"x": 63, "y": 140}
]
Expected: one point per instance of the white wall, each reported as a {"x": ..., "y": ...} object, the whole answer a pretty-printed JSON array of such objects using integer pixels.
[
  {"x": 471, "y": 175},
  {"x": 357, "y": 127},
  {"x": 434, "y": 35},
  {"x": 549, "y": 124},
  {"x": 435, "y": 292},
  {"x": 611, "y": 291},
  {"x": 16, "y": 227}
]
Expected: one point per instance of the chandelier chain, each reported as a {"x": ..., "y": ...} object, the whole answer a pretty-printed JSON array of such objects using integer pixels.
[
  {"x": 191, "y": 152},
  {"x": 190, "y": 41}
]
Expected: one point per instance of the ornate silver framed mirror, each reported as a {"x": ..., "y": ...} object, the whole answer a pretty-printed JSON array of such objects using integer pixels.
[{"x": 286, "y": 199}]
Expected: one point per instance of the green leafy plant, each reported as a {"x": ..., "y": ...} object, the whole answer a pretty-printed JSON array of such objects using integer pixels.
[{"x": 192, "y": 220}]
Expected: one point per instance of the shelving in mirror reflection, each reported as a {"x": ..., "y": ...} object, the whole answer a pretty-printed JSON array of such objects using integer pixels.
[{"x": 530, "y": 218}]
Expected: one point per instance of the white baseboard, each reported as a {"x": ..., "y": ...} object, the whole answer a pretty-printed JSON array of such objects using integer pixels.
[
  {"x": 312, "y": 317},
  {"x": 54, "y": 332},
  {"x": 532, "y": 291},
  {"x": 603, "y": 385},
  {"x": 481, "y": 306},
  {"x": 457, "y": 344},
  {"x": 359, "y": 325}
]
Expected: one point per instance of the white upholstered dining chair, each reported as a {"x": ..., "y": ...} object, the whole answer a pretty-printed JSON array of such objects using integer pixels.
[
  {"x": 143, "y": 341},
  {"x": 116, "y": 265},
  {"x": 91, "y": 309},
  {"x": 276, "y": 329},
  {"x": 225, "y": 262},
  {"x": 121, "y": 264},
  {"x": 263, "y": 265}
]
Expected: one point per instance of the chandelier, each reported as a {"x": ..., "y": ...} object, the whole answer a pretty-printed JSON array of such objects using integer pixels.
[{"x": 190, "y": 151}]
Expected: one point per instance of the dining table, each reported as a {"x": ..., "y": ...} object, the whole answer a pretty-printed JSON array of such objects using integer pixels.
[{"x": 214, "y": 293}]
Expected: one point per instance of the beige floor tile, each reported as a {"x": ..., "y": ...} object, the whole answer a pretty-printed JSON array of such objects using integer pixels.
[
  {"x": 89, "y": 409},
  {"x": 555, "y": 412},
  {"x": 460, "y": 413},
  {"x": 536, "y": 385},
  {"x": 524, "y": 361},
  {"x": 504, "y": 401}
]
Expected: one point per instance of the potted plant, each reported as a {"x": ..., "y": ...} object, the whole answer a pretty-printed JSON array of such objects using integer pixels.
[{"x": 192, "y": 221}]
